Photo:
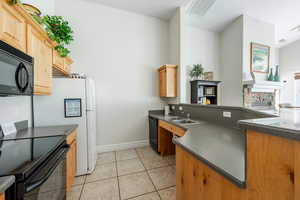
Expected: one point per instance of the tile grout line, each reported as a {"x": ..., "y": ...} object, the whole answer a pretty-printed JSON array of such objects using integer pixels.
[
  {"x": 119, "y": 189},
  {"x": 148, "y": 175}
]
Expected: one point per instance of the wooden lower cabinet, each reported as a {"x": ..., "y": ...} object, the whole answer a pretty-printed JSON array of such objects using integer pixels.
[
  {"x": 2, "y": 196},
  {"x": 71, "y": 160},
  {"x": 273, "y": 173},
  {"x": 165, "y": 136},
  {"x": 196, "y": 181},
  {"x": 273, "y": 167}
]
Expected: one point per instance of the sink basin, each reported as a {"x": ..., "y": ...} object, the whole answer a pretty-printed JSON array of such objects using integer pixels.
[
  {"x": 187, "y": 121},
  {"x": 184, "y": 121},
  {"x": 176, "y": 118}
]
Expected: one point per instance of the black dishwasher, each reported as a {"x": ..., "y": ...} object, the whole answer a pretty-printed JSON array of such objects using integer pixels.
[{"x": 153, "y": 133}]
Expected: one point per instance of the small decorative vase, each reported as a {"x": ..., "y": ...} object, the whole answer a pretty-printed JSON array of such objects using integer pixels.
[
  {"x": 276, "y": 77},
  {"x": 271, "y": 77}
]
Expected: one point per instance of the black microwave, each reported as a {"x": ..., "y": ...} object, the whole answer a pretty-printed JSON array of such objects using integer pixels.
[{"x": 16, "y": 71}]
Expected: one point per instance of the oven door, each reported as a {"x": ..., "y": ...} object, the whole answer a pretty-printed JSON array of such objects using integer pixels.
[
  {"x": 49, "y": 181},
  {"x": 16, "y": 71}
]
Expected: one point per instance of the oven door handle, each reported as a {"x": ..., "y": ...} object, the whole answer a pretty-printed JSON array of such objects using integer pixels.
[{"x": 33, "y": 185}]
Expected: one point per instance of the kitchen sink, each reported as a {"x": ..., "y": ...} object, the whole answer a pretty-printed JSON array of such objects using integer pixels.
[
  {"x": 176, "y": 118},
  {"x": 184, "y": 121},
  {"x": 187, "y": 121}
]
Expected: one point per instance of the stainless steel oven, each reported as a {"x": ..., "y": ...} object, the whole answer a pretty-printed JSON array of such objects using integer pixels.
[{"x": 16, "y": 71}]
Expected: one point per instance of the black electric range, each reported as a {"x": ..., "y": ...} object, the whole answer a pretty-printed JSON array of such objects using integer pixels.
[{"x": 38, "y": 165}]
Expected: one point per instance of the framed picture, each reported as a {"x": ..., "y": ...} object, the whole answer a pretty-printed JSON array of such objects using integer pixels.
[
  {"x": 260, "y": 58},
  {"x": 208, "y": 76},
  {"x": 73, "y": 108}
]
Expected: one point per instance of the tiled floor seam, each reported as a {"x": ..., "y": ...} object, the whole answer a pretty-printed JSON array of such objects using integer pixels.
[
  {"x": 141, "y": 195},
  {"x": 148, "y": 175},
  {"x": 119, "y": 189}
]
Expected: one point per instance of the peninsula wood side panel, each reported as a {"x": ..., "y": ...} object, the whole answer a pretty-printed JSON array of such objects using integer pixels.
[
  {"x": 272, "y": 164},
  {"x": 197, "y": 181},
  {"x": 71, "y": 160}
]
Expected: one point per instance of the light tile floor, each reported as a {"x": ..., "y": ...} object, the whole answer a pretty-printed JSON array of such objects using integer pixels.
[{"x": 133, "y": 174}]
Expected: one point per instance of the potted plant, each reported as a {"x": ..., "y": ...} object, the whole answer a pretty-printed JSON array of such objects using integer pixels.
[
  {"x": 15, "y": 1},
  {"x": 197, "y": 72},
  {"x": 59, "y": 31}
]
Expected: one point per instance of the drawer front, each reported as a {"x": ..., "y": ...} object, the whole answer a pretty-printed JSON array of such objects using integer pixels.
[{"x": 176, "y": 130}]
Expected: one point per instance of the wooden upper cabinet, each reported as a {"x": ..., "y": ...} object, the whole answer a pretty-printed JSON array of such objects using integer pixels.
[
  {"x": 40, "y": 48},
  {"x": 168, "y": 81},
  {"x": 12, "y": 26},
  {"x": 58, "y": 61},
  {"x": 67, "y": 65},
  {"x": 62, "y": 65}
]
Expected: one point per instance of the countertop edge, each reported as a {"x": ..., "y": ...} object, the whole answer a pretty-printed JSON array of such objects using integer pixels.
[
  {"x": 234, "y": 180},
  {"x": 6, "y": 182},
  {"x": 270, "y": 130}
]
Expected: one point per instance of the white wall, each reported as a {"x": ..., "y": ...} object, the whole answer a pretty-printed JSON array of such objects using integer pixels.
[
  {"x": 122, "y": 52},
  {"x": 231, "y": 62},
  {"x": 289, "y": 60},
  {"x": 258, "y": 32},
  {"x": 15, "y": 109},
  {"x": 176, "y": 53},
  {"x": 202, "y": 47},
  {"x": 46, "y": 6}
]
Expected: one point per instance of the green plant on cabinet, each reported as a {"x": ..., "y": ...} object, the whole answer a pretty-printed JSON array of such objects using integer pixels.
[{"x": 197, "y": 71}]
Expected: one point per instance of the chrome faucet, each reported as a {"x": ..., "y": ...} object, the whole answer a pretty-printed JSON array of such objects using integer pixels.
[{"x": 188, "y": 115}]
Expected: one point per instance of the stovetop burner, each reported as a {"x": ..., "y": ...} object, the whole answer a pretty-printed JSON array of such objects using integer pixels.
[{"x": 18, "y": 157}]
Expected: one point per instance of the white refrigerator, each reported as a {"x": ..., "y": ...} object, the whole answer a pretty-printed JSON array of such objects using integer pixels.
[{"x": 50, "y": 110}]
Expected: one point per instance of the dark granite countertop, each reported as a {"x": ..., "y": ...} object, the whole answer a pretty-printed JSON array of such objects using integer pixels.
[
  {"x": 286, "y": 124},
  {"x": 221, "y": 148},
  {"x": 224, "y": 148},
  {"x": 39, "y": 132},
  {"x": 6, "y": 182}
]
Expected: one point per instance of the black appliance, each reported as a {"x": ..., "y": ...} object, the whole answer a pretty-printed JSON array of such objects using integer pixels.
[
  {"x": 16, "y": 71},
  {"x": 153, "y": 133},
  {"x": 39, "y": 165}
]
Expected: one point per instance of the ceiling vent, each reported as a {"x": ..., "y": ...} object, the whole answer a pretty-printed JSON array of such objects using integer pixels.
[{"x": 200, "y": 7}]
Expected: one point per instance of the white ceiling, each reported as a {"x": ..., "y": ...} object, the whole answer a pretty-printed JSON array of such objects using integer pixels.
[
  {"x": 157, "y": 8},
  {"x": 284, "y": 14}
]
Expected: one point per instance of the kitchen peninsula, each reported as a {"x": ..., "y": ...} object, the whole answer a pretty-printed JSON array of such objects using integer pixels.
[{"x": 249, "y": 155}]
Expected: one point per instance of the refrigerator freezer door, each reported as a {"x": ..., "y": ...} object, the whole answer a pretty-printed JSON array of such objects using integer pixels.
[
  {"x": 91, "y": 124},
  {"x": 49, "y": 110},
  {"x": 91, "y": 95}
]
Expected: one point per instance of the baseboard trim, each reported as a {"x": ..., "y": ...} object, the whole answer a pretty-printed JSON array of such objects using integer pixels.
[{"x": 121, "y": 146}]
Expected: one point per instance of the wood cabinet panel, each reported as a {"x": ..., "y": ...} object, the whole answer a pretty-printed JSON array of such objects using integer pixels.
[
  {"x": 2, "y": 196},
  {"x": 196, "y": 181},
  {"x": 67, "y": 65},
  {"x": 271, "y": 167},
  {"x": 58, "y": 61},
  {"x": 71, "y": 160},
  {"x": 12, "y": 26},
  {"x": 174, "y": 129},
  {"x": 39, "y": 48},
  {"x": 165, "y": 136},
  {"x": 168, "y": 81}
]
